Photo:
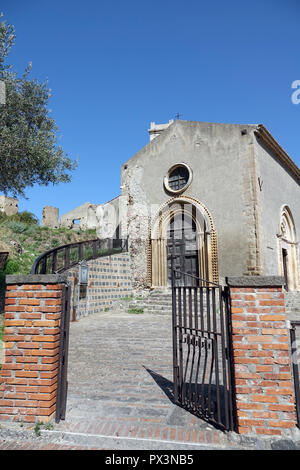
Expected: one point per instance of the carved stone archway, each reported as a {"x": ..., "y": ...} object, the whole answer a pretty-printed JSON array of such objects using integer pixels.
[
  {"x": 288, "y": 249},
  {"x": 157, "y": 242}
]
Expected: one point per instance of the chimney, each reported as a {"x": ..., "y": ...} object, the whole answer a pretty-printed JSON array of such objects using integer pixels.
[{"x": 157, "y": 129}]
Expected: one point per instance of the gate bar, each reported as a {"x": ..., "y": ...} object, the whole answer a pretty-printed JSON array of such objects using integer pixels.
[{"x": 294, "y": 324}]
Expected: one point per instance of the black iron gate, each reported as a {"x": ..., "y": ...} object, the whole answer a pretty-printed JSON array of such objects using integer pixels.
[
  {"x": 62, "y": 386},
  {"x": 202, "y": 352},
  {"x": 295, "y": 350}
]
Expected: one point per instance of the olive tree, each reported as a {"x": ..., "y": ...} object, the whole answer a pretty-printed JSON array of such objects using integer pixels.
[{"x": 29, "y": 152}]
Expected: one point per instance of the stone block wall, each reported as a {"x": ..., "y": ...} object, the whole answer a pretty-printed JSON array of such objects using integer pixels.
[{"x": 109, "y": 278}]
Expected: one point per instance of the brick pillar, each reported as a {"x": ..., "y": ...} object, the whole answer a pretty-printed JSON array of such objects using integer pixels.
[
  {"x": 28, "y": 379},
  {"x": 262, "y": 362}
]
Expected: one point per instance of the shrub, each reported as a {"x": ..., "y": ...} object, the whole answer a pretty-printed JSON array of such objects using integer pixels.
[
  {"x": 55, "y": 242},
  {"x": 12, "y": 266},
  {"x": 3, "y": 217},
  {"x": 137, "y": 311},
  {"x": 17, "y": 227},
  {"x": 26, "y": 217}
]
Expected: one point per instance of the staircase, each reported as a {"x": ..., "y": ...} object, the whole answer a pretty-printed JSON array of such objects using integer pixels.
[{"x": 157, "y": 301}]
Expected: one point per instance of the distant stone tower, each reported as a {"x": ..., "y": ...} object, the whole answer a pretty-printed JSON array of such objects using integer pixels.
[
  {"x": 50, "y": 217},
  {"x": 9, "y": 205}
]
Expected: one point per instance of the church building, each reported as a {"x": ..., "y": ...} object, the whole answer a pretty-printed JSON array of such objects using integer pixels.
[{"x": 222, "y": 199}]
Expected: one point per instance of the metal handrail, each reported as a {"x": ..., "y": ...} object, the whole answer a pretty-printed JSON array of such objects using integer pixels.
[
  {"x": 107, "y": 245},
  {"x": 195, "y": 277}
]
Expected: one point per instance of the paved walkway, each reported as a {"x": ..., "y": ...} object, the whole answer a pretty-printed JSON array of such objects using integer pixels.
[
  {"x": 120, "y": 391},
  {"x": 120, "y": 384}
]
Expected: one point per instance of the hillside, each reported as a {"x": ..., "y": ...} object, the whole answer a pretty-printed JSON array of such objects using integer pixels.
[{"x": 24, "y": 239}]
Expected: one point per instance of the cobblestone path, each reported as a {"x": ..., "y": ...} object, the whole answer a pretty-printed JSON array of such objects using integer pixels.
[
  {"x": 120, "y": 381},
  {"x": 120, "y": 394}
]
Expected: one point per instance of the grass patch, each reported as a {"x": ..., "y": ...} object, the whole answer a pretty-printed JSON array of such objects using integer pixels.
[
  {"x": 37, "y": 428},
  {"x": 136, "y": 311},
  {"x": 127, "y": 298}
]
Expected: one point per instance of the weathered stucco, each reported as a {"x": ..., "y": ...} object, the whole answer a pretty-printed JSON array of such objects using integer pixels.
[
  {"x": 221, "y": 159},
  {"x": 278, "y": 188},
  {"x": 234, "y": 177}
]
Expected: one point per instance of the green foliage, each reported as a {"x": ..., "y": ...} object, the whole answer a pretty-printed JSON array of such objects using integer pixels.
[
  {"x": 137, "y": 310},
  {"x": 17, "y": 227},
  {"x": 26, "y": 240},
  {"x": 29, "y": 151},
  {"x": 127, "y": 298},
  {"x": 55, "y": 242},
  {"x": 12, "y": 266},
  {"x": 37, "y": 428},
  {"x": 49, "y": 426},
  {"x": 25, "y": 217}
]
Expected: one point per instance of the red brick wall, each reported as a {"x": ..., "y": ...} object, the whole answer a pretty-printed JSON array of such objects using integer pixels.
[
  {"x": 28, "y": 379},
  {"x": 262, "y": 364}
]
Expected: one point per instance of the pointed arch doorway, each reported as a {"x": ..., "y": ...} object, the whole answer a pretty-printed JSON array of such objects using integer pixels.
[
  {"x": 288, "y": 256},
  {"x": 183, "y": 229}
]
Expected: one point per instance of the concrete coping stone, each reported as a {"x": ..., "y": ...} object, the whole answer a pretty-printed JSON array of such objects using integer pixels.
[
  {"x": 255, "y": 281},
  {"x": 36, "y": 279}
]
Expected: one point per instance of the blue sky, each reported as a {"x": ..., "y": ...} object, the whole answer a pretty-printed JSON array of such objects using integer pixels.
[{"x": 115, "y": 66}]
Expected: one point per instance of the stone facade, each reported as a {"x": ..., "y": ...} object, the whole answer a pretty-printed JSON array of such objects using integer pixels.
[{"x": 234, "y": 175}]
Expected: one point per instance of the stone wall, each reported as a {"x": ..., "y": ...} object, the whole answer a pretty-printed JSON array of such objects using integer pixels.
[
  {"x": 84, "y": 215},
  {"x": 50, "y": 217},
  {"x": 9, "y": 205},
  {"x": 109, "y": 278}
]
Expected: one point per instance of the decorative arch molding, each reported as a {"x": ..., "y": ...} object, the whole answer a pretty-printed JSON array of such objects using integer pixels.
[
  {"x": 288, "y": 249},
  {"x": 156, "y": 247}
]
